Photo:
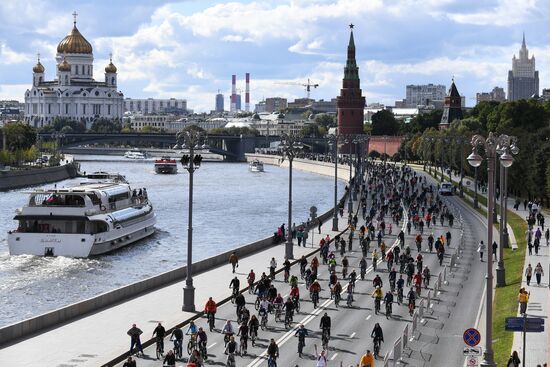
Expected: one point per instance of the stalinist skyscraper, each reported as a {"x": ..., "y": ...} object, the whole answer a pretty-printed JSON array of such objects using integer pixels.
[{"x": 523, "y": 79}]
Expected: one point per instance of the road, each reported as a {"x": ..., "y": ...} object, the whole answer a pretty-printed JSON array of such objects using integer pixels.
[{"x": 454, "y": 310}]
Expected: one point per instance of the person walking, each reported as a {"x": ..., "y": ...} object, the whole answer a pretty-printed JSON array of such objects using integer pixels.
[
  {"x": 130, "y": 362},
  {"x": 547, "y": 236},
  {"x": 134, "y": 334},
  {"x": 538, "y": 273},
  {"x": 234, "y": 261},
  {"x": 523, "y": 298},
  {"x": 514, "y": 360},
  {"x": 319, "y": 226},
  {"x": 528, "y": 274},
  {"x": 495, "y": 247},
  {"x": 481, "y": 249},
  {"x": 530, "y": 247}
]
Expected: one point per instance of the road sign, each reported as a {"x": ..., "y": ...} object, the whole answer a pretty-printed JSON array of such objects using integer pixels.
[
  {"x": 471, "y": 351},
  {"x": 471, "y": 337},
  {"x": 472, "y": 361},
  {"x": 532, "y": 324}
]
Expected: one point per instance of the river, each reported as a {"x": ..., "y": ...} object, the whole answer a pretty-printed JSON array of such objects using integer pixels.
[{"x": 232, "y": 207}]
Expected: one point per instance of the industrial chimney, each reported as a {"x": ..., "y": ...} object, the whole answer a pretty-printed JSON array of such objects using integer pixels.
[
  {"x": 247, "y": 93},
  {"x": 233, "y": 107}
]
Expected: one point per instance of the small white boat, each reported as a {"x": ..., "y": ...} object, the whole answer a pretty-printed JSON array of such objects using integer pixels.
[
  {"x": 256, "y": 166},
  {"x": 106, "y": 176},
  {"x": 82, "y": 221},
  {"x": 134, "y": 154}
]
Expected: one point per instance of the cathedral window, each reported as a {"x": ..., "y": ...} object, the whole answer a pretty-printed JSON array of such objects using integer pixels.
[
  {"x": 66, "y": 108},
  {"x": 76, "y": 69},
  {"x": 108, "y": 109},
  {"x": 66, "y": 79},
  {"x": 113, "y": 80},
  {"x": 83, "y": 108}
]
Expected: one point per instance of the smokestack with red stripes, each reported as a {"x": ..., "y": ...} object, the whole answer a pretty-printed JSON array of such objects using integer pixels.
[
  {"x": 247, "y": 93},
  {"x": 233, "y": 106}
]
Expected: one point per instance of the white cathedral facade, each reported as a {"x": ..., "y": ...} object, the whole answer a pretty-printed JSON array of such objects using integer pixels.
[{"x": 74, "y": 94}]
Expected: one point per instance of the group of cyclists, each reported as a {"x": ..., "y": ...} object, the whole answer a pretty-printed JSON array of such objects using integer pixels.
[{"x": 395, "y": 193}]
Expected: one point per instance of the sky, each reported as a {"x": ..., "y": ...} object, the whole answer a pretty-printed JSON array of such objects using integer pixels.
[{"x": 190, "y": 49}]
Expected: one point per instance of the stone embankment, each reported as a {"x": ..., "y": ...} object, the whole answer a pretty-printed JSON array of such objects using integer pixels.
[{"x": 10, "y": 180}]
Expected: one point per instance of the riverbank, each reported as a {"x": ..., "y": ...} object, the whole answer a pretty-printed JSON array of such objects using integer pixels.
[{"x": 11, "y": 180}]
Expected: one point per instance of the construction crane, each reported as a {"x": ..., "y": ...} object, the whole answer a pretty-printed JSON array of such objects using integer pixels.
[{"x": 307, "y": 85}]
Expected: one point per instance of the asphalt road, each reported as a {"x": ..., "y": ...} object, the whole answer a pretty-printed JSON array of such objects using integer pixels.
[{"x": 454, "y": 310}]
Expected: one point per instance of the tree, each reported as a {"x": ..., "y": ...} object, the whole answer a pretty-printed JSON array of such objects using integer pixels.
[
  {"x": 326, "y": 120},
  {"x": 105, "y": 126},
  {"x": 384, "y": 123},
  {"x": 424, "y": 121},
  {"x": 19, "y": 136}
]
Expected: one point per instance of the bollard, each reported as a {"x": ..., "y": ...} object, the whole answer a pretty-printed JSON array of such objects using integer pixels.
[
  {"x": 439, "y": 281},
  {"x": 397, "y": 355},
  {"x": 421, "y": 310},
  {"x": 453, "y": 261},
  {"x": 414, "y": 324},
  {"x": 387, "y": 359},
  {"x": 429, "y": 299}
]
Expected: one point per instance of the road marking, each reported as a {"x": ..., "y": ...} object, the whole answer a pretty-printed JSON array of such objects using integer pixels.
[
  {"x": 368, "y": 317},
  {"x": 211, "y": 345},
  {"x": 333, "y": 356},
  {"x": 283, "y": 339},
  {"x": 352, "y": 335}
]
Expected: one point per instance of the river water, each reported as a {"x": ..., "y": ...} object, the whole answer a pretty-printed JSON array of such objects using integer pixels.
[{"x": 232, "y": 207}]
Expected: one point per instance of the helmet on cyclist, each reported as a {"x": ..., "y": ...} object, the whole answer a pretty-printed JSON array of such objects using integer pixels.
[{"x": 377, "y": 287}]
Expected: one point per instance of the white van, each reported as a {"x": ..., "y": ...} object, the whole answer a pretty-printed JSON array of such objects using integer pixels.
[{"x": 446, "y": 188}]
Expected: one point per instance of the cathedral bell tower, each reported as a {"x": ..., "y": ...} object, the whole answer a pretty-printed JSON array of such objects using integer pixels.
[{"x": 350, "y": 102}]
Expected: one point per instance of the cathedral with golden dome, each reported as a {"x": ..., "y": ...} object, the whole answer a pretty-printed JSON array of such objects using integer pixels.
[{"x": 73, "y": 94}]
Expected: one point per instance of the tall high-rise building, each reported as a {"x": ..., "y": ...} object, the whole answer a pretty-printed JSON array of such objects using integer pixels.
[
  {"x": 452, "y": 109},
  {"x": 424, "y": 94},
  {"x": 523, "y": 79},
  {"x": 238, "y": 103},
  {"x": 496, "y": 95},
  {"x": 273, "y": 104},
  {"x": 219, "y": 102},
  {"x": 350, "y": 102}
]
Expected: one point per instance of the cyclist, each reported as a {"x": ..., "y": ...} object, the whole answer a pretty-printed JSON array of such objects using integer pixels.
[
  {"x": 377, "y": 335},
  {"x": 426, "y": 276},
  {"x": 325, "y": 323},
  {"x": 234, "y": 284},
  {"x": 293, "y": 281},
  {"x": 227, "y": 331},
  {"x": 295, "y": 295},
  {"x": 353, "y": 277},
  {"x": 177, "y": 337},
  {"x": 289, "y": 308},
  {"x": 250, "y": 279},
  {"x": 337, "y": 291},
  {"x": 239, "y": 302},
  {"x": 431, "y": 242},
  {"x": 278, "y": 305},
  {"x": 271, "y": 293},
  {"x": 400, "y": 285},
  {"x": 230, "y": 350},
  {"x": 301, "y": 333},
  {"x": 388, "y": 300},
  {"x": 253, "y": 326},
  {"x": 286, "y": 267},
  {"x": 377, "y": 295},
  {"x": 314, "y": 265},
  {"x": 377, "y": 282},
  {"x": 202, "y": 339},
  {"x": 417, "y": 282},
  {"x": 192, "y": 330},
  {"x": 350, "y": 287},
  {"x": 374, "y": 259},
  {"x": 170, "y": 359},
  {"x": 159, "y": 332},
  {"x": 419, "y": 259},
  {"x": 314, "y": 289},
  {"x": 321, "y": 357},
  {"x": 265, "y": 305},
  {"x": 243, "y": 332},
  {"x": 273, "y": 353},
  {"x": 210, "y": 307},
  {"x": 244, "y": 315},
  {"x": 367, "y": 360},
  {"x": 332, "y": 279},
  {"x": 392, "y": 276},
  {"x": 363, "y": 266},
  {"x": 303, "y": 264},
  {"x": 332, "y": 264}
]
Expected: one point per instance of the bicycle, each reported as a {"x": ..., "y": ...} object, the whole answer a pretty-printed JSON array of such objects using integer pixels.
[
  {"x": 234, "y": 294},
  {"x": 400, "y": 295},
  {"x": 230, "y": 362},
  {"x": 376, "y": 305},
  {"x": 253, "y": 336},
  {"x": 315, "y": 298},
  {"x": 210, "y": 317},
  {"x": 325, "y": 336},
  {"x": 243, "y": 347},
  {"x": 263, "y": 322},
  {"x": 278, "y": 312},
  {"x": 250, "y": 286},
  {"x": 202, "y": 350},
  {"x": 288, "y": 320},
  {"x": 177, "y": 348},
  {"x": 296, "y": 302},
  {"x": 350, "y": 299},
  {"x": 160, "y": 350},
  {"x": 388, "y": 310},
  {"x": 257, "y": 303},
  {"x": 191, "y": 344},
  {"x": 337, "y": 299},
  {"x": 376, "y": 347}
]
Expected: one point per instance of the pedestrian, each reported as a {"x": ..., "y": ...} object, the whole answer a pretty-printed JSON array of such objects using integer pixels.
[
  {"x": 528, "y": 273},
  {"x": 538, "y": 273},
  {"x": 530, "y": 247},
  {"x": 547, "y": 236},
  {"x": 480, "y": 249},
  {"x": 234, "y": 261},
  {"x": 134, "y": 334},
  {"x": 514, "y": 360},
  {"x": 536, "y": 244},
  {"x": 130, "y": 362},
  {"x": 367, "y": 360},
  {"x": 283, "y": 230},
  {"x": 319, "y": 226},
  {"x": 523, "y": 298},
  {"x": 495, "y": 246}
]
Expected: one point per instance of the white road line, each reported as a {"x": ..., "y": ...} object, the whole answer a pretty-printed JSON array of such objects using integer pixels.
[
  {"x": 261, "y": 358},
  {"x": 352, "y": 334},
  {"x": 368, "y": 317},
  {"x": 211, "y": 345},
  {"x": 333, "y": 356}
]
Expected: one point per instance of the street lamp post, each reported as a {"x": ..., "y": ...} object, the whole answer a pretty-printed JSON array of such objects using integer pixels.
[
  {"x": 290, "y": 145},
  {"x": 191, "y": 163},
  {"x": 461, "y": 141},
  {"x": 475, "y": 188},
  {"x": 490, "y": 145}
]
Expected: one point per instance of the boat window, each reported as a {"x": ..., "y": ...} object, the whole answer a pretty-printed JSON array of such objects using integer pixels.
[
  {"x": 98, "y": 226},
  {"x": 94, "y": 198},
  {"x": 48, "y": 199},
  {"x": 118, "y": 197}
]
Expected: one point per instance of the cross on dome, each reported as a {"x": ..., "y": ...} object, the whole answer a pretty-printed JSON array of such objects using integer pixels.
[
  {"x": 75, "y": 14},
  {"x": 110, "y": 56},
  {"x": 38, "y": 56}
]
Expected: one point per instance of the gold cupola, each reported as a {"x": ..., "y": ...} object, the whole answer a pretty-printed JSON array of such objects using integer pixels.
[
  {"x": 74, "y": 42},
  {"x": 111, "y": 68},
  {"x": 38, "y": 68},
  {"x": 64, "y": 66}
]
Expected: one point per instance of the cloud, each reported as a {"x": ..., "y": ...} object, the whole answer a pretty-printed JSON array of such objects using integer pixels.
[
  {"x": 9, "y": 56},
  {"x": 504, "y": 13},
  {"x": 13, "y": 91}
]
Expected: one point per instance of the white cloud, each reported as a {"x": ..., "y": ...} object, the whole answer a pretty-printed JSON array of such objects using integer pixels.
[
  {"x": 13, "y": 91},
  {"x": 9, "y": 56},
  {"x": 505, "y": 13}
]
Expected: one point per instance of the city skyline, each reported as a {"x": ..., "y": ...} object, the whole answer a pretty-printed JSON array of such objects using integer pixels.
[{"x": 190, "y": 49}]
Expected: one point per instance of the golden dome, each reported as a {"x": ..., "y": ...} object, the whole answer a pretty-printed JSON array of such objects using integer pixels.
[
  {"x": 64, "y": 66},
  {"x": 38, "y": 68},
  {"x": 74, "y": 43},
  {"x": 111, "y": 68}
]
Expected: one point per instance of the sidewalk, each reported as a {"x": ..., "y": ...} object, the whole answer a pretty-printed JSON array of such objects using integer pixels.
[
  {"x": 100, "y": 337},
  {"x": 536, "y": 344}
]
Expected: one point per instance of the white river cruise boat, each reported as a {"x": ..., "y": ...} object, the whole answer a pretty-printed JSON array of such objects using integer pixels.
[
  {"x": 81, "y": 221},
  {"x": 256, "y": 166}
]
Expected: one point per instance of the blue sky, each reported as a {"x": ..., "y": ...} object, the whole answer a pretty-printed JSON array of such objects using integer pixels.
[{"x": 189, "y": 49}]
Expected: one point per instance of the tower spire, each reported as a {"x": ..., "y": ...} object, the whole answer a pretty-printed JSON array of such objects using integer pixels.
[
  {"x": 351, "y": 71},
  {"x": 523, "y": 41}
]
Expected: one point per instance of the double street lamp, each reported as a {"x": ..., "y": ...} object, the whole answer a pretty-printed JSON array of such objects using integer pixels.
[
  {"x": 493, "y": 146},
  {"x": 191, "y": 162},
  {"x": 290, "y": 146}
]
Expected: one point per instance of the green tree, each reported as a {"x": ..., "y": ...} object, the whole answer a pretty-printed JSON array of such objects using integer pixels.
[
  {"x": 424, "y": 121},
  {"x": 384, "y": 123},
  {"x": 19, "y": 136},
  {"x": 105, "y": 126}
]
